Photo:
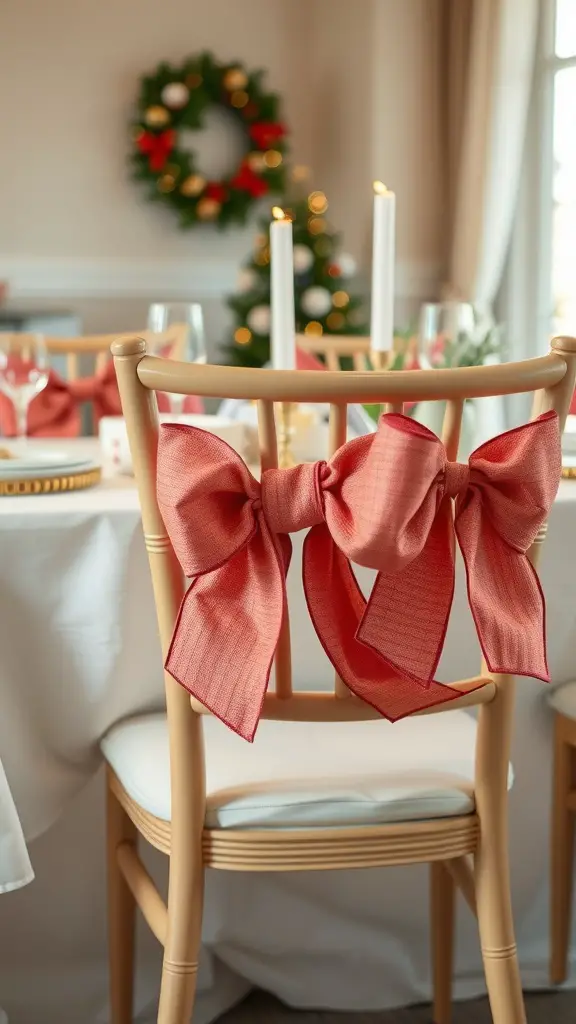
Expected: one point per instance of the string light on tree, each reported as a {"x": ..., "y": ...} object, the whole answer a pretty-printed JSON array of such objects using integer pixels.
[{"x": 317, "y": 202}]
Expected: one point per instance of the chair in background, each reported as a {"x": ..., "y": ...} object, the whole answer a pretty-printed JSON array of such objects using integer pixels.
[
  {"x": 334, "y": 347},
  {"x": 56, "y": 412},
  {"x": 186, "y": 798},
  {"x": 562, "y": 700}
]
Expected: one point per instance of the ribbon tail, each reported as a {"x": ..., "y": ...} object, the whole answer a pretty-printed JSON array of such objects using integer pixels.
[
  {"x": 336, "y": 607},
  {"x": 227, "y": 631},
  {"x": 407, "y": 614},
  {"x": 507, "y": 602}
]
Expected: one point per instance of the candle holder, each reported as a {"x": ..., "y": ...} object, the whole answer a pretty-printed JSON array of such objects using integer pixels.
[{"x": 285, "y": 434}]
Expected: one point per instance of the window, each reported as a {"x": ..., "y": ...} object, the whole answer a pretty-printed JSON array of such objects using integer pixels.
[{"x": 557, "y": 82}]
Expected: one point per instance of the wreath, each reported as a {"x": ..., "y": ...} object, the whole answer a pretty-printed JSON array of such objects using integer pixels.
[{"x": 176, "y": 98}]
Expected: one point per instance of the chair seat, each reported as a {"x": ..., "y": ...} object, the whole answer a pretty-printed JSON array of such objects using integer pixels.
[
  {"x": 563, "y": 699},
  {"x": 307, "y": 774}
]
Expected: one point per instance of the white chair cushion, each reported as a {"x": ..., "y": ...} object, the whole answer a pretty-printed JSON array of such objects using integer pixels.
[
  {"x": 305, "y": 775},
  {"x": 563, "y": 699}
]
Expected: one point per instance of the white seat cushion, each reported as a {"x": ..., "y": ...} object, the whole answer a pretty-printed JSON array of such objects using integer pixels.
[
  {"x": 303, "y": 774},
  {"x": 563, "y": 699}
]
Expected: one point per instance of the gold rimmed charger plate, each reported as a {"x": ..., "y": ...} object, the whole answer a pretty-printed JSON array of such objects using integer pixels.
[{"x": 59, "y": 483}]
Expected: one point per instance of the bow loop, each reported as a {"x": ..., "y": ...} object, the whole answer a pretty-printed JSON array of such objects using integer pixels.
[
  {"x": 503, "y": 497},
  {"x": 219, "y": 497}
]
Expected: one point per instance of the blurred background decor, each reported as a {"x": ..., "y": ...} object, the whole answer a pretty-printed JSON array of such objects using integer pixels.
[
  {"x": 172, "y": 105},
  {"x": 322, "y": 278}
]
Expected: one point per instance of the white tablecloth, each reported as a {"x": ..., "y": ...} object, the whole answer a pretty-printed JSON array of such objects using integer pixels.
[{"x": 80, "y": 650}]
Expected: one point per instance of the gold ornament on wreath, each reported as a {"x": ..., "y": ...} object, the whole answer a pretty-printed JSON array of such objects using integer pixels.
[{"x": 173, "y": 101}]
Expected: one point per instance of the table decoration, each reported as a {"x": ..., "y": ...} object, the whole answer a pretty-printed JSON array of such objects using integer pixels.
[{"x": 115, "y": 450}]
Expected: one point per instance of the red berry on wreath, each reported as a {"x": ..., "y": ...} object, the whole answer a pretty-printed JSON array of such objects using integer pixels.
[
  {"x": 214, "y": 190},
  {"x": 247, "y": 181},
  {"x": 266, "y": 133}
]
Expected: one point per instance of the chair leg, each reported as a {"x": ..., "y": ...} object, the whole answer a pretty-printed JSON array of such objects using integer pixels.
[
  {"x": 495, "y": 921},
  {"x": 562, "y": 856},
  {"x": 121, "y": 915},
  {"x": 180, "y": 965},
  {"x": 442, "y": 922}
]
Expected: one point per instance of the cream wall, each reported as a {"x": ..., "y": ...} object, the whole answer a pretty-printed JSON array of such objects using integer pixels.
[{"x": 358, "y": 78}]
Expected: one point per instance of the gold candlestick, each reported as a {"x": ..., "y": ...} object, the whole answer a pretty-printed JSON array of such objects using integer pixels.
[{"x": 285, "y": 433}]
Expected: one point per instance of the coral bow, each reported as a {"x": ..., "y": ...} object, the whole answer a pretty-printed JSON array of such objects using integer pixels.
[
  {"x": 383, "y": 502},
  {"x": 501, "y": 499}
]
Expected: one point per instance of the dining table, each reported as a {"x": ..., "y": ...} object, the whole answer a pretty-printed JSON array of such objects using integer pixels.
[{"x": 80, "y": 651}]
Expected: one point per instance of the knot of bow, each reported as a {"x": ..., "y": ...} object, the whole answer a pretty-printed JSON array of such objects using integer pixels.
[{"x": 384, "y": 502}]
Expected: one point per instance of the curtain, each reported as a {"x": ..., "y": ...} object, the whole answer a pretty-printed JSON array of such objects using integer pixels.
[{"x": 487, "y": 67}]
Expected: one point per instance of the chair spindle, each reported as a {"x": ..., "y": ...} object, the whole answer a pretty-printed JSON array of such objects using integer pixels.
[
  {"x": 451, "y": 427},
  {"x": 336, "y": 438},
  {"x": 269, "y": 460}
]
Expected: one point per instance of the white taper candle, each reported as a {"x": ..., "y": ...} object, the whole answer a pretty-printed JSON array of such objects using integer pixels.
[
  {"x": 383, "y": 249},
  {"x": 283, "y": 348}
]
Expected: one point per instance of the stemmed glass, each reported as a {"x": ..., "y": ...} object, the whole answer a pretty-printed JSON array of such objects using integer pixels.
[
  {"x": 441, "y": 326},
  {"x": 177, "y": 331},
  {"x": 24, "y": 372}
]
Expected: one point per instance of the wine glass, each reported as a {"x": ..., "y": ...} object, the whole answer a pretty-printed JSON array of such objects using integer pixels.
[
  {"x": 177, "y": 332},
  {"x": 23, "y": 373},
  {"x": 441, "y": 327}
]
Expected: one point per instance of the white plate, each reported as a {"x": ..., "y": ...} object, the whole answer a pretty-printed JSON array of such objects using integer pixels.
[
  {"x": 40, "y": 460},
  {"x": 35, "y": 472}
]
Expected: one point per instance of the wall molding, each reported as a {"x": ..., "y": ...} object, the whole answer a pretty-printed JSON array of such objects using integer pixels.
[{"x": 43, "y": 277}]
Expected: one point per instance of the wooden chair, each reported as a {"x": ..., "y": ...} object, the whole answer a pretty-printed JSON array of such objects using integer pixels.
[
  {"x": 563, "y": 703},
  {"x": 466, "y": 850},
  {"x": 334, "y": 347},
  {"x": 98, "y": 347}
]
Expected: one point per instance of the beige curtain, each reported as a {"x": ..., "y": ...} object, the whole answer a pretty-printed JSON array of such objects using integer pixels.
[{"x": 487, "y": 67}]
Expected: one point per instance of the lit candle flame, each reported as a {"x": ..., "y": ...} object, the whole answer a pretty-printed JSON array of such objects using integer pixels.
[
  {"x": 379, "y": 188},
  {"x": 278, "y": 213}
]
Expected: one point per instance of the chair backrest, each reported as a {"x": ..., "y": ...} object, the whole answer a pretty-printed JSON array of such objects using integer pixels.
[{"x": 550, "y": 378}]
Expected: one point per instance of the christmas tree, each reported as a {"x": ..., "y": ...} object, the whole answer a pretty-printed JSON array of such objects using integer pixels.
[{"x": 324, "y": 304}]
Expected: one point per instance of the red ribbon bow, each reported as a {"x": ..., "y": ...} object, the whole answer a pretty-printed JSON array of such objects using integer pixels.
[
  {"x": 380, "y": 502},
  {"x": 157, "y": 147}
]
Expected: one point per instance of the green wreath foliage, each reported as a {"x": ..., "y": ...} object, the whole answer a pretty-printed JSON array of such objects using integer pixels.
[{"x": 175, "y": 98}]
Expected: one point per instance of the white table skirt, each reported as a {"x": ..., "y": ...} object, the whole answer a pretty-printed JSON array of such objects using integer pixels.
[{"x": 80, "y": 650}]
